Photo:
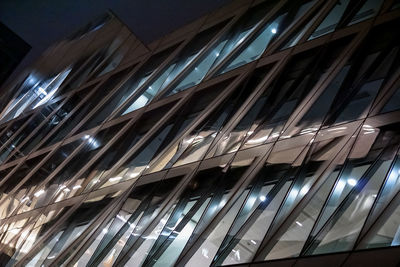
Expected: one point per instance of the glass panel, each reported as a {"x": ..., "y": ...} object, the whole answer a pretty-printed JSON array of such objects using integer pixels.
[
  {"x": 368, "y": 10},
  {"x": 332, "y": 19},
  {"x": 81, "y": 114},
  {"x": 393, "y": 103},
  {"x": 195, "y": 145},
  {"x": 348, "y": 179},
  {"x": 292, "y": 241},
  {"x": 10, "y": 201},
  {"x": 141, "y": 204},
  {"x": 388, "y": 234},
  {"x": 50, "y": 124},
  {"x": 254, "y": 49},
  {"x": 27, "y": 130},
  {"x": 341, "y": 230},
  {"x": 131, "y": 101},
  {"x": 212, "y": 190},
  {"x": 37, "y": 92},
  {"x": 27, "y": 190},
  {"x": 345, "y": 229},
  {"x": 73, "y": 227},
  {"x": 30, "y": 230},
  {"x": 238, "y": 33}
]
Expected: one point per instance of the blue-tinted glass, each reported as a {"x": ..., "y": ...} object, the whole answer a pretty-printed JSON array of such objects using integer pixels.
[
  {"x": 393, "y": 103},
  {"x": 368, "y": 10},
  {"x": 332, "y": 19}
]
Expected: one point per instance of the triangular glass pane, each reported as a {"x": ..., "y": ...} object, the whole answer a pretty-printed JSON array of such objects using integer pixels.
[
  {"x": 348, "y": 179},
  {"x": 332, "y": 19},
  {"x": 368, "y": 10},
  {"x": 292, "y": 241},
  {"x": 345, "y": 226},
  {"x": 247, "y": 246},
  {"x": 254, "y": 49},
  {"x": 388, "y": 234},
  {"x": 205, "y": 254},
  {"x": 393, "y": 103}
]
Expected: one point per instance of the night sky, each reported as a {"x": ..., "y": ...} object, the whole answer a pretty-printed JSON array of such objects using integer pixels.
[{"x": 42, "y": 22}]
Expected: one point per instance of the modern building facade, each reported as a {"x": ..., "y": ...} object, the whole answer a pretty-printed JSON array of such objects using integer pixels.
[
  {"x": 12, "y": 50},
  {"x": 265, "y": 133}
]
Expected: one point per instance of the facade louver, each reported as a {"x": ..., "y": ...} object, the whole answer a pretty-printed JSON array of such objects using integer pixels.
[{"x": 265, "y": 133}]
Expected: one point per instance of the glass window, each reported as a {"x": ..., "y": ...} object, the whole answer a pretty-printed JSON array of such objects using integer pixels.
[
  {"x": 368, "y": 10},
  {"x": 393, "y": 103},
  {"x": 331, "y": 20},
  {"x": 221, "y": 49},
  {"x": 131, "y": 99},
  {"x": 254, "y": 49}
]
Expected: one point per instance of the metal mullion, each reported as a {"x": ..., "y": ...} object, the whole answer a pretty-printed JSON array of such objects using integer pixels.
[
  {"x": 279, "y": 228},
  {"x": 385, "y": 7},
  {"x": 380, "y": 220},
  {"x": 177, "y": 230},
  {"x": 5, "y": 129},
  {"x": 116, "y": 237},
  {"x": 142, "y": 140},
  {"x": 72, "y": 112},
  {"x": 367, "y": 223},
  {"x": 385, "y": 93},
  {"x": 33, "y": 219},
  {"x": 292, "y": 28},
  {"x": 120, "y": 32},
  {"x": 27, "y": 109},
  {"x": 50, "y": 176},
  {"x": 91, "y": 232},
  {"x": 52, "y": 230},
  {"x": 39, "y": 210},
  {"x": 259, "y": 26},
  {"x": 72, "y": 92},
  {"x": 29, "y": 225},
  {"x": 355, "y": 85},
  {"x": 173, "y": 220},
  {"x": 9, "y": 175},
  {"x": 139, "y": 90},
  {"x": 6, "y": 108},
  {"x": 99, "y": 153},
  {"x": 10, "y": 122},
  {"x": 11, "y": 138},
  {"x": 202, "y": 116},
  {"x": 204, "y": 195},
  {"x": 22, "y": 127},
  {"x": 199, "y": 56},
  {"x": 73, "y": 76},
  {"x": 103, "y": 101},
  {"x": 251, "y": 100},
  {"x": 33, "y": 171},
  {"x": 253, "y": 191},
  {"x": 321, "y": 16},
  {"x": 320, "y": 87},
  {"x": 340, "y": 174},
  {"x": 33, "y": 133},
  {"x": 252, "y": 170},
  {"x": 144, "y": 204},
  {"x": 232, "y": 202},
  {"x": 344, "y": 203},
  {"x": 163, "y": 209},
  {"x": 351, "y": 10}
]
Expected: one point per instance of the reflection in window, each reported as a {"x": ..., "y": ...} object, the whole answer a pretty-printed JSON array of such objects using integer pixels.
[
  {"x": 331, "y": 20},
  {"x": 221, "y": 49},
  {"x": 393, "y": 103},
  {"x": 131, "y": 99},
  {"x": 35, "y": 92},
  {"x": 342, "y": 10},
  {"x": 254, "y": 49}
]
